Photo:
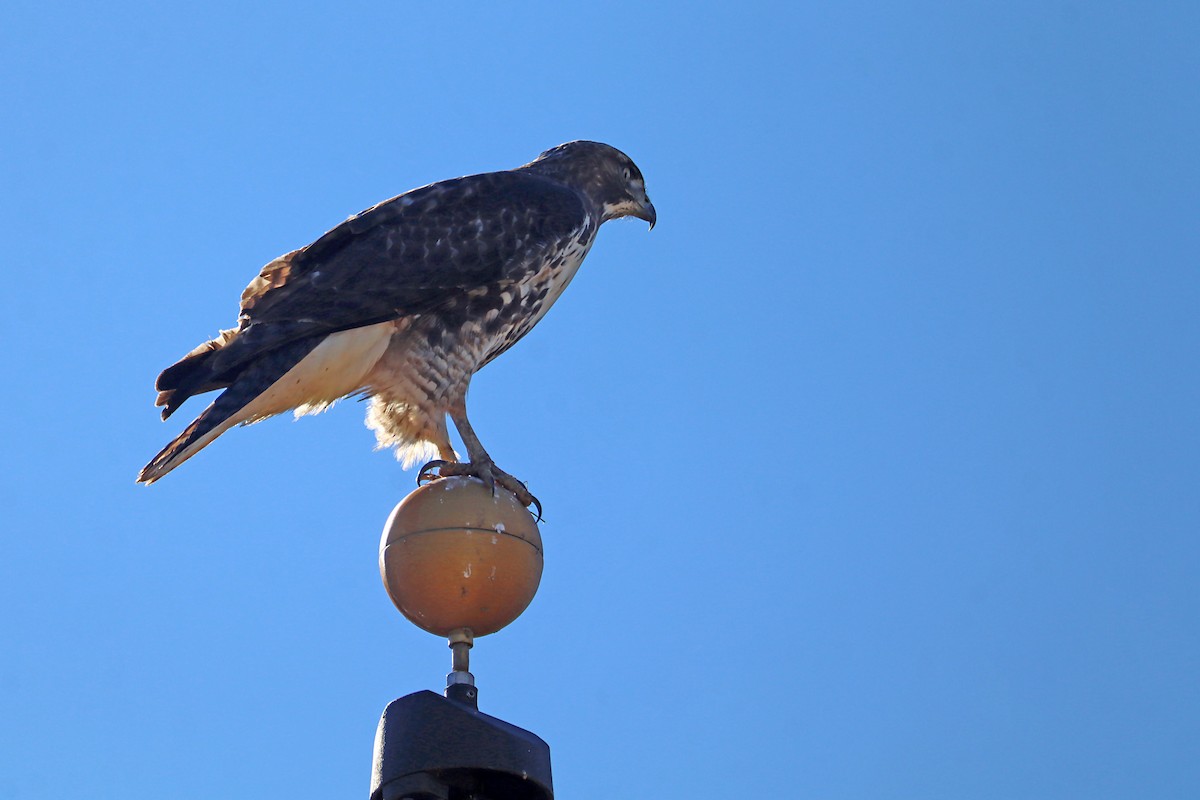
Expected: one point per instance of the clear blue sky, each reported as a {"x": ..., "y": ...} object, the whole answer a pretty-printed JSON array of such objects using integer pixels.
[{"x": 872, "y": 472}]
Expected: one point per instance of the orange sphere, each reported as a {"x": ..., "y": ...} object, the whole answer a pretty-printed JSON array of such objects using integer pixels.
[{"x": 455, "y": 555}]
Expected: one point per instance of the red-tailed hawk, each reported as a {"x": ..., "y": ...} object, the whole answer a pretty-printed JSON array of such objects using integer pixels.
[{"x": 404, "y": 303}]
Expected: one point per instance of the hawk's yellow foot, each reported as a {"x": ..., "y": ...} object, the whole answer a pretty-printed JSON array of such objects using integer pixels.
[{"x": 486, "y": 471}]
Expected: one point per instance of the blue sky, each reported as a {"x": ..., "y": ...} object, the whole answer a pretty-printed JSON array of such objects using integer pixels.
[{"x": 871, "y": 472}]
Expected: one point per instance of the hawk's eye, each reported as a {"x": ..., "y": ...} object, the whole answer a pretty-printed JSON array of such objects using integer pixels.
[{"x": 627, "y": 173}]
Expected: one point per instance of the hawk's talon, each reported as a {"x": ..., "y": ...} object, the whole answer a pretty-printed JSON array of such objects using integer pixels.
[
  {"x": 426, "y": 473},
  {"x": 535, "y": 502},
  {"x": 485, "y": 471},
  {"x": 518, "y": 488}
]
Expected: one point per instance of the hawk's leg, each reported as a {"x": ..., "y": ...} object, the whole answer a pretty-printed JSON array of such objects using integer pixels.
[{"x": 479, "y": 465}]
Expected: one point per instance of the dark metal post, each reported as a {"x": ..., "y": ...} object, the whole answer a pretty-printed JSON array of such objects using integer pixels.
[{"x": 429, "y": 747}]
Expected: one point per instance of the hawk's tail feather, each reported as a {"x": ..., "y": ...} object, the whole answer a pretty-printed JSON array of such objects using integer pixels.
[
  {"x": 191, "y": 375},
  {"x": 211, "y": 423},
  {"x": 246, "y": 400}
]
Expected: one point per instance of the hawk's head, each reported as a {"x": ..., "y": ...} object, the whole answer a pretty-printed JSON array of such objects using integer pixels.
[{"x": 603, "y": 173}]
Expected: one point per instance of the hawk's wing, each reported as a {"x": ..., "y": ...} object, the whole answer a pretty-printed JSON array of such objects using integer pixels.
[{"x": 407, "y": 255}]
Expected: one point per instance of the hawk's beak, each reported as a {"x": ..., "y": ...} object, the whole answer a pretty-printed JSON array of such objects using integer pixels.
[{"x": 647, "y": 213}]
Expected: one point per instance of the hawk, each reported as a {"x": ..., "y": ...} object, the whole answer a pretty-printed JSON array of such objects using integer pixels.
[{"x": 403, "y": 303}]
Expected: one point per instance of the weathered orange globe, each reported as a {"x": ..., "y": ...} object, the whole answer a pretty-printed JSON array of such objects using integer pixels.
[{"x": 455, "y": 555}]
